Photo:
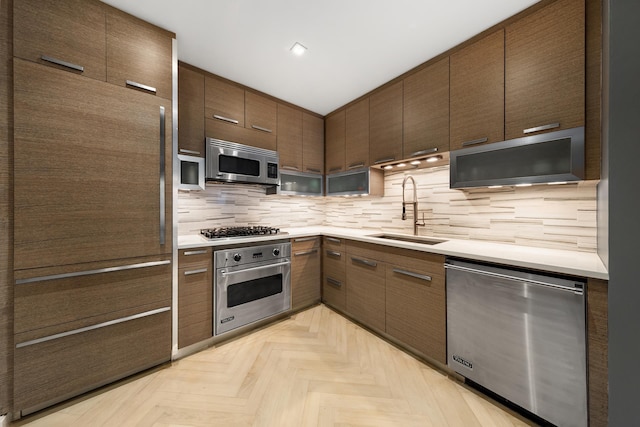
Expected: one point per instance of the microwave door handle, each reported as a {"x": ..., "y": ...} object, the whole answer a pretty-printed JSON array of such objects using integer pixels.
[{"x": 262, "y": 267}]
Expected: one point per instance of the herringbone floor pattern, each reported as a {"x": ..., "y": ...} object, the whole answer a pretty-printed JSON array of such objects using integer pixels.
[{"x": 315, "y": 369}]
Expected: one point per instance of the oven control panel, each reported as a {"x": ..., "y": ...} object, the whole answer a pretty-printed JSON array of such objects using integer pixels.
[{"x": 251, "y": 254}]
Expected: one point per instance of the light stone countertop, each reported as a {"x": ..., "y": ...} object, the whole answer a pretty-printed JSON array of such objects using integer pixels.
[{"x": 583, "y": 264}]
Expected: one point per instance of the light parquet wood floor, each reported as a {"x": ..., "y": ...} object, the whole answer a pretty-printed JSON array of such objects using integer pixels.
[{"x": 314, "y": 369}]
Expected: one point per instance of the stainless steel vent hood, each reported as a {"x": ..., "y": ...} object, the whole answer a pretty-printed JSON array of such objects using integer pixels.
[{"x": 548, "y": 157}]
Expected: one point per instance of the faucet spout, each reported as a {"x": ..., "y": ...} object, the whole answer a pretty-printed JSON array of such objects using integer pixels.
[{"x": 416, "y": 223}]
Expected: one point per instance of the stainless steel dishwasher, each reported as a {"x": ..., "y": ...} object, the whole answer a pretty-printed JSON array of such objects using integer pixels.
[{"x": 520, "y": 335}]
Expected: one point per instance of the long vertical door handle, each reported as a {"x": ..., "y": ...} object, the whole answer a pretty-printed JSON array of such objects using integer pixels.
[{"x": 162, "y": 177}]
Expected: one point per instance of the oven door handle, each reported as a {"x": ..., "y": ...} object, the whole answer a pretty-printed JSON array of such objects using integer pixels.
[{"x": 262, "y": 267}]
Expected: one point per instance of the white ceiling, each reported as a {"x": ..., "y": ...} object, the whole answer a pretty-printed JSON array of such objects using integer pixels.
[{"x": 353, "y": 46}]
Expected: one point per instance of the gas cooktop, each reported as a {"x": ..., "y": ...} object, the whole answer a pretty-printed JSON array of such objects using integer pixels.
[{"x": 238, "y": 231}]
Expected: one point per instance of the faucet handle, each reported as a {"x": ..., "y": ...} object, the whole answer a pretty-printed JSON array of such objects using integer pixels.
[{"x": 404, "y": 211}]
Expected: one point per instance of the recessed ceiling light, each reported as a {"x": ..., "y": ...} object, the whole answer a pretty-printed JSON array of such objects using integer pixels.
[
  {"x": 401, "y": 165},
  {"x": 557, "y": 183},
  {"x": 415, "y": 162},
  {"x": 524, "y": 185},
  {"x": 388, "y": 167},
  {"x": 434, "y": 158},
  {"x": 495, "y": 186},
  {"x": 298, "y": 49}
]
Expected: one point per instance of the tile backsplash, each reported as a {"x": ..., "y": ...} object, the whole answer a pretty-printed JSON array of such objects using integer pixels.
[{"x": 553, "y": 216}]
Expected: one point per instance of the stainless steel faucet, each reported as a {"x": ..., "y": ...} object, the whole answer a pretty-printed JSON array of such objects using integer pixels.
[{"x": 416, "y": 223}]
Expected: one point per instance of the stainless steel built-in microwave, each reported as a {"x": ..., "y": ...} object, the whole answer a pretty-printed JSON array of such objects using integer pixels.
[
  {"x": 191, "y": 172},
  {"x": 233, "y": 162}
]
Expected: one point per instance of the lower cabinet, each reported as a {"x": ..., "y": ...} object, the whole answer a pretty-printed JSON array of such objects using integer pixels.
[
  {"x": 366, "y": 285},
  {"x": 305, "y": 272},
  {"x": 334, "y": 276},
  {"x": 195, "y": 296}
]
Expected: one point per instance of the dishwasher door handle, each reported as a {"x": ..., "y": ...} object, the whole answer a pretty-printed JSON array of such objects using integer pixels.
[{"x": 577, "y": 289}]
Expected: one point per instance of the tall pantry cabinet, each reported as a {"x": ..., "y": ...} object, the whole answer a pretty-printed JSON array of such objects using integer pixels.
[{"x": 92, "y": 198}]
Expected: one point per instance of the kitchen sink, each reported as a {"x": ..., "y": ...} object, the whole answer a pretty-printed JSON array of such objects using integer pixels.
[{"x": 412, "y": 239}]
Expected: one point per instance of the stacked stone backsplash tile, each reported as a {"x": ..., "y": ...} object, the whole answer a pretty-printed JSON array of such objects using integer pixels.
[{"x": 552, "y": 216}]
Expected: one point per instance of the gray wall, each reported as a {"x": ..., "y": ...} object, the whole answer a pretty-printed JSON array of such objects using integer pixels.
[{"x": 624, "y": 227}]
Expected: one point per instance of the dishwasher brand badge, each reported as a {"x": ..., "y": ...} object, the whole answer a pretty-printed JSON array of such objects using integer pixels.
[{"x": 462, "y": 361}]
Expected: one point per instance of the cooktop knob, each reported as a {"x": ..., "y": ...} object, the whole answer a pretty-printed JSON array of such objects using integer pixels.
[
  {"x": 237, "y": 257},
  {"x": 276, "y": 252}
]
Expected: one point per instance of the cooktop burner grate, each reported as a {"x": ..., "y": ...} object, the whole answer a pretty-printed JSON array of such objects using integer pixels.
[{"x": 239, "y": 231}]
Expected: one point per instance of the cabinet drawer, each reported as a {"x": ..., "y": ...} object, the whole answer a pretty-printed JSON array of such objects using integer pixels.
[
  {"x": 365, "y": 250},
  {"x": 55, "y": 370},
  {"x": 304, "y": 243},
  {"x": 45, "y": 303},
  {"x": 334, "y": 289},
  {"x": 333, "y": 243},
  {"x": 187, "y": 258},
  {"x": 366, "y": 291}
]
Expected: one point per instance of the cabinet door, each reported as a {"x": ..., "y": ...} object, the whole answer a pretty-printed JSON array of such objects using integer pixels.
[
  {"x": 190, "y": 112},
  {"x": 545, "y": 70},
  {"x": 223, "y": 102},
  {"x": 385, "y": 117},
  {"x": 335, "y": 143},
  {"x": 87, "y": 170},
  {"x": 290, "y": 138},
  {"x": 366, "y": 289},
  {"x": 415, "y": 301},
  {"x": 357, "y": 135},
  {"x": 334, "y": 276},
  {"x": 139, "y": 55},
  {"x": 305, "y": 272},
  {"x": 426, "y": 111},
  {"x": 477, "y": 93},
  {"x": 261, "y": 117},
  {"x": 195, "y": 296},
  {"x": 55, "y": 32},
  {"x": 312, "y": 143}
]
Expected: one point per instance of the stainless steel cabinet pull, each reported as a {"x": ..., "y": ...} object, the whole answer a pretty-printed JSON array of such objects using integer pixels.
[
  {"x": 202, "y": 252},
  {"x": 364, "y": 262},
  {"x": 356, "y": 165},
  {"x": 314, "y": 170},
  {"x": 162, "y": 178},
  {"x": 423, "y": 152},
  {"x": 389, "y": 159},
  {"x": 62, "y": 63},
  {"x": 333, "y": 240},
  {"x": 90, "y": 272},
  {"x": 412, "y": 274},
  {"x": 141, "y": 86},
  {"x": 543, "y": 127},
  {"x": 475, "y": 141},
  {"x": 229, "y": 273},
  {"x": 93, "y": 327},
  {"x": 182, "y": 150},
  {"x": 201, "y": 270},
  {"x": 291, "y": 168},
  {"x": 225, "y": 119},
  {"x": 304, "y": 239},
  {"x": 310, "y": 252},
  {"x": 334, "y": 282},
  {"x": 260, "y": 128},
  {"x": 336, "y": 169},
  {"x": 334, "y": 253}
]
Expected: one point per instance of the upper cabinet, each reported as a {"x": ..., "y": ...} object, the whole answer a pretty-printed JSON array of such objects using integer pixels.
[
  {"x": 139, "y": 55},
  {"x": 190, "y": 112},
  {"x": 312, "y": 143},
  {"x": 385, "y": 125},
  {"x": 426, "y": 111},
  {"x": 290, "y": 138},
  {"x": 545, "y": 70},
  {"x": 335, "y": 143},
  {"x": 260, "y": 116},
  {"x": 477, "y": 93},
  {"x": 357, "y": 135},
  {"x": 66, "y": 34},
  {"x": 223, "y": 102}
]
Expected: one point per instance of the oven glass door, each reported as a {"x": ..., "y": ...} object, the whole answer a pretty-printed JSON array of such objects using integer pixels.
[{"x": 250, "y": 293}]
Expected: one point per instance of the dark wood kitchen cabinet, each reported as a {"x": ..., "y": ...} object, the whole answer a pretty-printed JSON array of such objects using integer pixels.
[
  {"x": 415, "y": 301},
  {"x": 477, "y": 93},
  {"x": 335, "y": 142},
  {"x": 426, "y": 111},
  {"x": 139, "y": 55},
  {"x": 261, "y": 120},
  {"x": 545, "y": 69},
  {"x": 223, "y": 101},
  {"x": 190, "y": 112},
  {"x": 195, "y": 296},
  {"x": 357, "y": 135},
  {"x": 385, "y": 124},
  {"x": 305, "y": 272},
  {"x": 366, "y": 284},
  {"x": 70, "y": 32},
  {"x": 334, "y": 276},
  {"x": 312, "y": 143},
  {"x": 289, "y": 138}
]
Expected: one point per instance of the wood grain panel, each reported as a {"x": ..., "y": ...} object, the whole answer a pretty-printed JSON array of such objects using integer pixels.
[
  {"x": 598, "y": 348},
  {"x": 593, "y": 94},
  {"x": 334, "y": 268},
  {"x": 261, "y": 112},
  {"x": 477, "y": 92},
  {"x": 335, "y": 142},
  {"x": 289, "y": 137},
  {"x": 140, "y": 52},
  {"x": 106, "y": 139},
  {"x": 72, "y": 30},
  {"x": 305, "y": 273},
  {"x": 226, "y": 132},
  {"x": 426, "y": 110},
  {"x": 58, "y": 369},
  {"x": 6, "y": 206},
  {"x": 366, "y": 291},
  {"x": 385, "y": 124},
  {"x": 357, "y": 135},
  {"x": 190, "y": 111},
  {"x": 366, "y": 250},
  {"x": 53, "y": 302},
  {"x": 195, "y": 298},
  {"x": 192, "y": 258},
  {"x": 545, "y": 69},
  {"x": 223, "y": 99},
  {"x": 312, "y": 143}
]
